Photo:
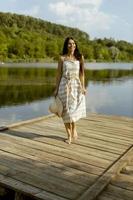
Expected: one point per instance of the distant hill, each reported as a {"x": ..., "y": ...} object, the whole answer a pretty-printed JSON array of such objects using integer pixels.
[{"x": 24, "y": 38}]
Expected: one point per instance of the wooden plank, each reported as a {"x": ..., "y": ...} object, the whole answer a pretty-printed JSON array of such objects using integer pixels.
[
  {"x": 108, "y": 133},
  {"x": 106, "y": 197},
  {"x": 59, "y": 143},
  {"x": 128, "y": 170},
  {"x": 16, "y": 185},
  {"x": 102, "y": 145},
  {"x": 103, "y": 129},
  {"x": 103, "y": 137},
  {"x": 117, "y": 193},
  {"x": 49, "y": 196},
  {"x": 88, "y": 132},
  {"x": 117, "y": 131},
  {"x": 51, "y": 150},
  {"x": 62, "y": 161},
  {"x": 92, "y": 192},
  {"x": 108, "y": 125},
  {"x": 45, "y": 181},
  {"x": 85, "y": 133},
  {"x": 4, "y": 169},
  {"x": 123, "y": 181},
  {"x": 110, "y": 117},
  {"x": 48, "y": 132},
  {"x": 56, "y": 186},
  {"x": 27, "y": 189},
  {"x": 97, "y": 143},
  {"x": 17, "y": 164},
  {"x": 92, "y": 122},
  {"x": 34, "y": 152}
]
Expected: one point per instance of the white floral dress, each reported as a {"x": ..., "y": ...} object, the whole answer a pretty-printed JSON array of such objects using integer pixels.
[{"x": 70, "y": 92}]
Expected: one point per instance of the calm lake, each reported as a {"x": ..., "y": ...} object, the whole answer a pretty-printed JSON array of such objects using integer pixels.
[{"x": 26, "y": 90}]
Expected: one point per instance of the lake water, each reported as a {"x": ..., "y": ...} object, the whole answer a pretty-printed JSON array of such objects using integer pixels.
[{"x": 26, "y": 90}]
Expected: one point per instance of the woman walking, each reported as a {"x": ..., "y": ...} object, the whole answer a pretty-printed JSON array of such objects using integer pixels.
[{"x": 70, "y": 87}]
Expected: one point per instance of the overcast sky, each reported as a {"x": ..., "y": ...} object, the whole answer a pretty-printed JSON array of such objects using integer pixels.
[{"x": 99, "y": 18}]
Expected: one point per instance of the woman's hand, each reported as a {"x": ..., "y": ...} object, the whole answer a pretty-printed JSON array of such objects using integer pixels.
[{"x": 83, "y": 91}]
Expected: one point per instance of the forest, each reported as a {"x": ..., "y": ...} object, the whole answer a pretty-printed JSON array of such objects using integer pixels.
[{"x": 28, "y": 39}]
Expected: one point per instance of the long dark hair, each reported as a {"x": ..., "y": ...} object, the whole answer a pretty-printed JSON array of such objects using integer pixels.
[{"x": 77, "y": 53}]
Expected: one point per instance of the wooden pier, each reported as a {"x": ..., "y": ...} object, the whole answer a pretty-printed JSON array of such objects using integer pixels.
[{"x": 36, "y": 163}]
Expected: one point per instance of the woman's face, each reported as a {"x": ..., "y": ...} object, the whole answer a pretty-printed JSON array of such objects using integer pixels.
[{"x": 71, "y": 45}]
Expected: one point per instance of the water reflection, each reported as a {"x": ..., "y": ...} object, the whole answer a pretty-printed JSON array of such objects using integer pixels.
[
  {"x": 18, "y": 94},
  {"x": 115, "y": 98},
  {"x": 26, "y": 92},
  {"x": 15, "y": 113},
  {"x": 24, "y": 85}
]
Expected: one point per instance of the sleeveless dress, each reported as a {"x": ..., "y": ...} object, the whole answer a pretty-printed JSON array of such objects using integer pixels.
[{"x": 70, "y": 92}]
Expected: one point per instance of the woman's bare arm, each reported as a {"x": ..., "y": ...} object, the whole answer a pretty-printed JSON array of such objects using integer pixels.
[
  {"x": 58, "y": 75},
  {"x": 82, "y": 75}
]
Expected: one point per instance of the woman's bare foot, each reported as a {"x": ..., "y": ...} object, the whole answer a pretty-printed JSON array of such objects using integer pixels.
[
  {"x": 75, "y": 135},
  {"x": 68, "y": 141}
]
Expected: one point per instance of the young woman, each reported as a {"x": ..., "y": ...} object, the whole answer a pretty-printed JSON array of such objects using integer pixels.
[{"x": 70, "y": 87}]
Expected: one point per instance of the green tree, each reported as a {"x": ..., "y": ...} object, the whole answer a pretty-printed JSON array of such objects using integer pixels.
[
  {"x": 28, "y": 38},
  {"x": 114, "y": 52},
  {"x": 51, "y": 48}
]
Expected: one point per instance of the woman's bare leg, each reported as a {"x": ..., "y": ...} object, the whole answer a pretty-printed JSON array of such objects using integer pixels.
[
  {"x": 74, "y": 131},
  {"x": 68, "y": 127}
]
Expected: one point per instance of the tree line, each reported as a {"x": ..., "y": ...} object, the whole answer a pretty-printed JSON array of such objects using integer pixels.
[{"x": 24, "y": 38}]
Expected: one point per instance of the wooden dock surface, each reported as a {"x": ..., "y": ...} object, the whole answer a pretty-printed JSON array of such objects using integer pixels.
[{"x": 36, "y": 163}]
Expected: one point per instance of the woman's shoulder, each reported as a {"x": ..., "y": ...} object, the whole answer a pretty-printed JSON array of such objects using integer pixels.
[
  {"x": 82, "y": 58},
  {"x": 62, "y": 58}
]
